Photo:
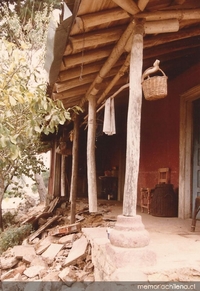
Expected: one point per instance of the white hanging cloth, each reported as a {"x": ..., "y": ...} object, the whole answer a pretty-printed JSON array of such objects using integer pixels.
[{"x": 109, "y": 117}]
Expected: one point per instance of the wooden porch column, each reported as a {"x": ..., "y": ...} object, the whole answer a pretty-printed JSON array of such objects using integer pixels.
[
  {"x": 133, "y": 124},
  {"x": 129, "y": 231},
  {"x": 74, "y": 177},
  {"x": 63, "y": 174},
  {"x": 91, "y": 162},
  {"x": 51, "y": 183}
]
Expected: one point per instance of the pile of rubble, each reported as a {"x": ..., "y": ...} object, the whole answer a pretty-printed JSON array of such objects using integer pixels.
[
  {"x": 66, "y": 258},
  {"x": 56, "y": 250}
]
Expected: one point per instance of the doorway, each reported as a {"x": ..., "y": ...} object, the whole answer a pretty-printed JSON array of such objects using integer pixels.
[
  {"x": 196, "y": 153},
  {"x": 186, "y": 152}
]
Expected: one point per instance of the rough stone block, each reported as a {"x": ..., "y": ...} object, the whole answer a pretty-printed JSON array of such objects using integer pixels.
[
  {"x": 67, "y": 239},
  {"x": 21, "y": 251},
  {"x": 33, "y": 271},
  {"x": 52, "y": 251},
  {"x": 13, "y": 272},
  {"x": 77, "y": 251},
  {"x": 42, "y": 246},
  {"x": 7, "y": 263}
]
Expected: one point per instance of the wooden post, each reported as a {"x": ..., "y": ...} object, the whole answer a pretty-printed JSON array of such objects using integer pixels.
[
  {"x": 51, "y": 183},
  {"x": 133, "y": 124},
  {"x": 63, "y": 174},
  {"x": 74, "y": 177},
  {"x": 91, "y": 162},
  {"x": 129, "y": 231}
]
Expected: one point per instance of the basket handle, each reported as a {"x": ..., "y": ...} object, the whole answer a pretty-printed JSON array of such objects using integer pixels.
[{"x": 151, "y": 70}]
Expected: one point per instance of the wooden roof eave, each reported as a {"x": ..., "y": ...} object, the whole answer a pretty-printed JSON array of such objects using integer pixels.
[{"x": 113, "y": 55}]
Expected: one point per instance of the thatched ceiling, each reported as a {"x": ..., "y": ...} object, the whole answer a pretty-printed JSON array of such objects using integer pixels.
[{"x": 97, "y": 26}]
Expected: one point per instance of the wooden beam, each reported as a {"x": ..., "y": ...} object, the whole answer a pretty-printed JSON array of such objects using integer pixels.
[
  {"x": 70, "y": 102},
  {"x": 171, "y": 47},
  {"x": 90, "y": 40},
  {"x": 155, "y": 27},
  {"x": 112, "y": 59},
  {"x": 76, "y": 82},
  {"x": 170, "y": 14},
  {"x": 166, "y": 38},
  {"x": 86, "y": 58},
  {"x": 161, "y": 26},
  {"x": 114, "y": 95},
  {"x": 83, "y": 71},
  {"x": 74, "y": 92},
  {"x": 120, "y": 73},
  {"x": 128, "y": 5},
  {"x": 142, "y": 4},
  {"x": 80, "y": 71},
  {"x": 85, "y": 23}
]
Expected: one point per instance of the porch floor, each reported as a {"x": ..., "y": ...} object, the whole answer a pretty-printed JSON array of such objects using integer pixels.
[{"x": 175, "y": 246}]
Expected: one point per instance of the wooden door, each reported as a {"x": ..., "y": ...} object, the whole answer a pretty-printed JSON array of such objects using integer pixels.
[{"x": 196, "y": 152}]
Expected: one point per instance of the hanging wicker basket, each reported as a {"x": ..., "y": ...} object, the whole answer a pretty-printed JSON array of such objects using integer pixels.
[{"x": 155, "y": 87}]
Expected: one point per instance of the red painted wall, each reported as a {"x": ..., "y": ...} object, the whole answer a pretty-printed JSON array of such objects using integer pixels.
[
  {"x": 159, "y": 136},
  {"x": 160, "y": 131}
]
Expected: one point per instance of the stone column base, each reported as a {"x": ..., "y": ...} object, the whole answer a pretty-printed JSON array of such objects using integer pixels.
[{"x": 129, "y": 232}]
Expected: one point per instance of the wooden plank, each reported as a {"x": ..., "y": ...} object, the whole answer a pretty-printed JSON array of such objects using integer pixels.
[
  {"x": 66, "y": 229},
  {"x": 52, "y": 205},
  {"x": 42, "y": 228}
]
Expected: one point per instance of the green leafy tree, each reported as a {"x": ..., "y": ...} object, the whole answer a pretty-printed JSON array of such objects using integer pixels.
[{"x": 25, "y": 110}]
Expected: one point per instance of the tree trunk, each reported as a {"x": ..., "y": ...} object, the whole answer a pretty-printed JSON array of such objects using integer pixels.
[
  {"x": 133, "y": 124},
  {"x": 1, "y": 199},
  {"x": 42, "y": 190}
]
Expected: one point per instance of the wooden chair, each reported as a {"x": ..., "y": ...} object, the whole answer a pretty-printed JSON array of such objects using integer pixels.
[
  {"x": 145, "y": 193},
  {"x": 164, "y": 175},
  {"x": 145, "y": 199},
  {"x": 196, "y": 210}
]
